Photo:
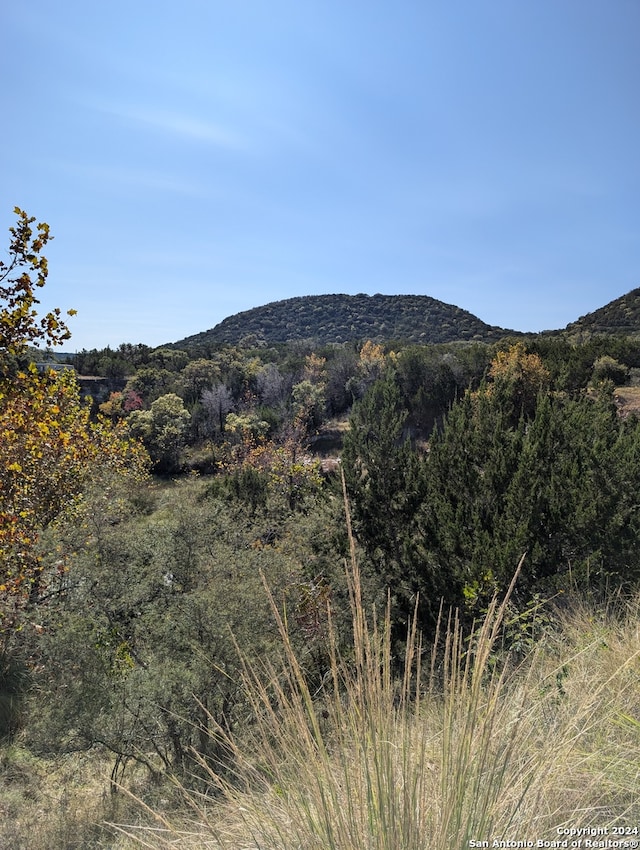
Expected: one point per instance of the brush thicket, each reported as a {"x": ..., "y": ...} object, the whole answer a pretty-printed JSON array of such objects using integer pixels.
[{"x": 473, "y": 748}]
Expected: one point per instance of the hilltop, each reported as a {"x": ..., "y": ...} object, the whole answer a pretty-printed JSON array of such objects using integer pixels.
[
  {"x": 345, "y": 318},
  {"x": 419, "y": 319}
]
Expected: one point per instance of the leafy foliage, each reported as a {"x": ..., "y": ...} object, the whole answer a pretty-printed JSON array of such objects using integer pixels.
[
  {"x": 48, "y": 447},
  {"x": 518, "y": 377},
  {"x": 48, "y": 450},
  {"x": 607, "y": 368},
  {"x": 138, "y": 649},
  {"x": 25, "y": 271},
  {"x": 162, "y": 429}
]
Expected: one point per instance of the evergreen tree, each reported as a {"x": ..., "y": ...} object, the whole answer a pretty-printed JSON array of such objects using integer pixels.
[
  {"x": 559, "y": 486},
  {"x": 468, "y": 470},
  {"x": 385, "y": 486}
]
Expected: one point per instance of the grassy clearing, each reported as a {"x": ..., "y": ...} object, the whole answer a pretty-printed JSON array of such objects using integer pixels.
[{"x": 482, "y": 749}]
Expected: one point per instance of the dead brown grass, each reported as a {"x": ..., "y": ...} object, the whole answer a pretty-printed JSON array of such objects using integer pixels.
[{"x": 627, "y": 400}]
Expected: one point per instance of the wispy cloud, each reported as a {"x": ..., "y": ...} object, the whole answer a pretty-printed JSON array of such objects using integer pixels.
[{"x": 185, "y": 126}]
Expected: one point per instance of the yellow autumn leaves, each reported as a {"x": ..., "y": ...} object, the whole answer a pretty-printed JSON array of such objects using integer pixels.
[{"x": 49, "y": 446}]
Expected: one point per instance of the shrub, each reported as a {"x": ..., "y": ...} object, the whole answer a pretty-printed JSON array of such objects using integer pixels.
[{"x": 475, "y": 750}]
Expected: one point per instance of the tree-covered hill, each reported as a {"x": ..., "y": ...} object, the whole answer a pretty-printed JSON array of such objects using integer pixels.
[
  {"x": 620, "y": 317},
  {"x": 343, "y": 318}
]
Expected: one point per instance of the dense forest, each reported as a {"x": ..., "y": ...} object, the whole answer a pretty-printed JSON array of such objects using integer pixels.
[{"x": 144, "y": 510}]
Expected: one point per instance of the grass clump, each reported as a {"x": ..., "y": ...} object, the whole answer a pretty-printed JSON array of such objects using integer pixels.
[{"x": 476, "y": 747}]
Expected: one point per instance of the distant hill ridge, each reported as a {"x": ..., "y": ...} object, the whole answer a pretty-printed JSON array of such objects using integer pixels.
[
  {"x": 618, "y": 317},
  {"x": 345, "y": 318},
  {"x": 327, "y": 319}
]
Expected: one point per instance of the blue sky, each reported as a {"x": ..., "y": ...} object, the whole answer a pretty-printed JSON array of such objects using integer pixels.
[{"x": 196, "y": 159}]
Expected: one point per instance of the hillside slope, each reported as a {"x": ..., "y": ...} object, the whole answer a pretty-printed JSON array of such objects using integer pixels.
[
  {"x": 343, "y": 318},
  {"x": 619, "y": 317}
]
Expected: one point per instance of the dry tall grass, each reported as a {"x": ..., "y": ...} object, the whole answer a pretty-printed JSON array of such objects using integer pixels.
[
  {"x": 472, "y": 749},
  {"x": 57, "y": 804}
]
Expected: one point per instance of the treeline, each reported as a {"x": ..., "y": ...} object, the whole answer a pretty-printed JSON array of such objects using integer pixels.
[
  {"x": 190, "y": 407},
  {"x": 186, "y": 405}
]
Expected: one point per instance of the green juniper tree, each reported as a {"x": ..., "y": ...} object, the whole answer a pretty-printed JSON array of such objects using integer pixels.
[
  {"x": 559, "y": 485},
  {"x": 386, "y": 487}
]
